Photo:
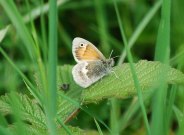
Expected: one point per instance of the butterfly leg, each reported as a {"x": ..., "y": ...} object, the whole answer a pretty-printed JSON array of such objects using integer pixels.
[{"x": 112, "y": 71}]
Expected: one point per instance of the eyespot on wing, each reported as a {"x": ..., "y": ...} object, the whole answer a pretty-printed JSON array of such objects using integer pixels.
[{"x": 86, "y": 52}]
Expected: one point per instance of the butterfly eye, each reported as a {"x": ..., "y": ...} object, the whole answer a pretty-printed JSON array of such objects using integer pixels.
[{"x": 81, "y": 44}]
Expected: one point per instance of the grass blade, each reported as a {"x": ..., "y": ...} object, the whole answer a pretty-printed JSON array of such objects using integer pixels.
[
  {"x": 52, "y": 65},
  {"x": 3, "y": 33},
  {"x": 43, "y": 9},
  {"x": 102, "y": 25},
  {"x": 158, "y": 124},
  {"x": 33, "y": 91},
  {"x": 17, "y": 21},
  {"x": 131, "y": 42},
  {"x": 135, "y": 78},
  {"x": 98, "y": 127},
  {"x": 140, "y": 28}
]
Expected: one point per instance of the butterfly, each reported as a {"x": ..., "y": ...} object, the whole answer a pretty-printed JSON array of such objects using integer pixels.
[{"x": 91, "y": 63}]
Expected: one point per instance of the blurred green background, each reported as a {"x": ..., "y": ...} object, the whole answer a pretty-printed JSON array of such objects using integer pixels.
[{"x": 96, "y": 21}]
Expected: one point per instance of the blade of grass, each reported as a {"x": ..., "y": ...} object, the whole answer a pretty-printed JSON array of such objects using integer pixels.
[
  {"x": 33, "y": 91},
  {"x": 131, "y": 42},
  {"x": 3, "y": 33},
  {"x": 158, "y": 124},
  {"x": 114, "y": 116},
  {"x": 142, "y": 25},
  {"x": 178, "y": 57},
  {"x": 169, "y": 108},
  {"x": 65, "y": 127},
  {"x": 179, "y": 115},
  {"x": 98, "y": 119},
  {"x": 98, "y": 127},
  {"x": 65, "y": 37},
  {"x": 115, "y": 43},
  {"x": 27, "y": 39},
  {"x": 86, "y": 4},
  {"x": 44, "y": 34},
  {"x": 40, "y": 65},
  {"x": 77, "y": 104},
  {"x": 30, "y": 45},
  {"x": 131, "y": 111},
  {"x": 16, "y": 19},
  {"x": 102, "y": 25},
  {"x": 51, "y": 97},
  {"x": 130, "y": 59},
  {"x": 69, "y": 104},
  {"x": 102, "y": 28},
  {"x": 115, "y": 108},
  {"x": 35, "y": 13}
]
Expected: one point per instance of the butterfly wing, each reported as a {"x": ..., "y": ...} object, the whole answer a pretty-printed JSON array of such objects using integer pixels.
[
  {"x": 83, "y": 50},
  {"x": 86, "y": 73}
]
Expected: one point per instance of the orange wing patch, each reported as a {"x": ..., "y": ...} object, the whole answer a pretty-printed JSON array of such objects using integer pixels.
[{"x": 87, "y": 53}]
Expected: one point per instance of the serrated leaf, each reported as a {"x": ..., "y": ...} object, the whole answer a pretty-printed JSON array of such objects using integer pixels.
[
  {"x": 34, "y": 130},
  {"x": 29, "y": 109},
  {"x": 5, "y": 105},
  {"x": 121, "y": 84},
  {"x": 32, "y": 112},
  {"x": 68, "y": 99},
  {"x": 73, "y": 130}
]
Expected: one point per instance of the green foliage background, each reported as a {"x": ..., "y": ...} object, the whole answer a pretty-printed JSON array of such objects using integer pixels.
[{"x": 146, "y": 98}]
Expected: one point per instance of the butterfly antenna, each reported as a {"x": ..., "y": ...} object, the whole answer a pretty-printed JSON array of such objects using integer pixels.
[
  {"x": 110, "y": 54},
  {"x": 115, "y": 57}
]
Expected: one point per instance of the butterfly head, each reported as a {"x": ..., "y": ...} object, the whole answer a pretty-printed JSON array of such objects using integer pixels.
[{"x": 109, "y": 63}]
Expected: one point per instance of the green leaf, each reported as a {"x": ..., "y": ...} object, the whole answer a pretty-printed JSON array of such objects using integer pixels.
[
  {"x": 5, "y": 131},
  {"x": 5, "y": 105},
  {"x": 68, "y": 101},
  {"x": 73, "y": 130},
  {"x": 32, "y": 112},
  {"x": 68, "y": 98},
  {"x": 34, "y": 130},
  {"x": 120, "y": 84},
  {"x": 29, "y": 109}
]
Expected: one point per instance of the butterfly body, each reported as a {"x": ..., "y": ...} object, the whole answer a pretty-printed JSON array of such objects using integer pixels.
[{"x": 91, "y": 64}]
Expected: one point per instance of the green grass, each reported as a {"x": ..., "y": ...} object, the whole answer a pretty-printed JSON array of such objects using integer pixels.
[
  {"x": 162, "y": 53},
  {"x": 51, "y": 97},
  {"x": 135, "y": 78},
  {"x": 36, "y": 57}
]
